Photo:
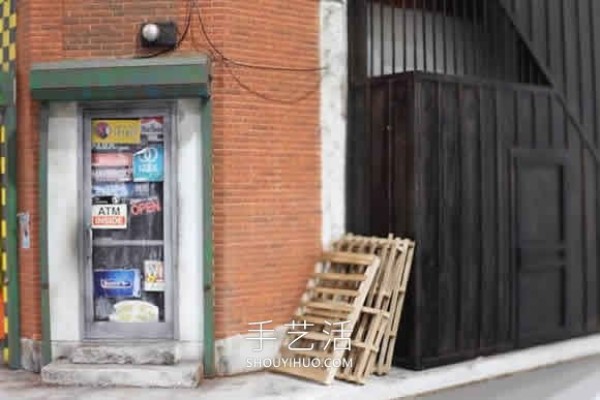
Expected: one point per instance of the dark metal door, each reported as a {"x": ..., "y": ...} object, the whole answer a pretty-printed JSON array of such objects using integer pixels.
[{"x": 544, "y": 212}]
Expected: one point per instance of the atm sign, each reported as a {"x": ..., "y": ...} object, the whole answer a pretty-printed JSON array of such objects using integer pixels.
[{"x": 109, "y": 216}]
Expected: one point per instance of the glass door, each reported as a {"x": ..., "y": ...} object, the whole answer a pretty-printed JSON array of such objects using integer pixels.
[{"x": 129, "y": 278}]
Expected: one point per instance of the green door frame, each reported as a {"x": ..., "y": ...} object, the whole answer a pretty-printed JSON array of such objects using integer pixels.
[{"x": 130, "y": 79}]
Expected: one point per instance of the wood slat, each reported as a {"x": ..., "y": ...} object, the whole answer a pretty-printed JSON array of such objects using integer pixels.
[
  {"x": 348, "y": 258},
  {"x": 330, "y": 306},
  {"x": 339, "y": 270},
  {"x": 331, "y": 276},
  {"x": 336, "y": 291},
  {"x": 375, "y": 333}
]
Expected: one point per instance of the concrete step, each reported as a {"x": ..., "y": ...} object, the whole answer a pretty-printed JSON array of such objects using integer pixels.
[
  {"x": 148, "y": 353},
  {"x": 183, "y": 375}
]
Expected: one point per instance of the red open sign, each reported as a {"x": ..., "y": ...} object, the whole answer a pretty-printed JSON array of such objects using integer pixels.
[{"x": 142, "y": 207}]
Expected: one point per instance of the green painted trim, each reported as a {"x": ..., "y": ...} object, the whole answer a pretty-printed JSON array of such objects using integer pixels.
[
  {"x": 207, "y": 234},
  {"x": 120, "y": 79},
  {"x": 43, "y": 234},
  {"x": 14, "y": 322}
]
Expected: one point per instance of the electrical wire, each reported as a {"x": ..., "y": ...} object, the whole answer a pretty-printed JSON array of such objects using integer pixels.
[
  {"x": 217, "y": 54},
  {"x": 266, "y": 97},
  {"x": 229, "y": 60}
]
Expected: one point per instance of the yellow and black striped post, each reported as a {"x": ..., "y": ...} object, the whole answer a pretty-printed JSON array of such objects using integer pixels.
[
  {"x": 4, "y": 234},
  {"x": 7, "y": 61}
]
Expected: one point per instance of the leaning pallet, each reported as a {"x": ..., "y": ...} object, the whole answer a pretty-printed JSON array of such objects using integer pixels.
[
  {"x": 386, "y": 353},
  {"x": 374, "y": 335},
  {"x": 314, "y": 345}
]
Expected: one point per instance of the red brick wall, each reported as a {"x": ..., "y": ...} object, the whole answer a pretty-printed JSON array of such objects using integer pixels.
[{"x": 266, "y": 152}]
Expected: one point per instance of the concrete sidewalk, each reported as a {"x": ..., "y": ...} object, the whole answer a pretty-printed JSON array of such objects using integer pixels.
[
  {"x": 574, "y": 380},
  {"x": 577, "y": 378}
]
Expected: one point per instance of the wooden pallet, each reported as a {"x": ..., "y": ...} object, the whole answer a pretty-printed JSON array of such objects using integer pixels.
[
  {"x": 335, "y": 294},
  {"x": 374, "y": 335},
  {"x": 386, "y": 353}
]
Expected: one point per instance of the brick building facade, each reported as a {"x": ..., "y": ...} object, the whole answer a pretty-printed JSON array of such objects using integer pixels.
[{"x": 264, "y": 88}]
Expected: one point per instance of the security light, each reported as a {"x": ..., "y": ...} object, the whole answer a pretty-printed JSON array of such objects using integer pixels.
[{"x": 159, "y": 34}]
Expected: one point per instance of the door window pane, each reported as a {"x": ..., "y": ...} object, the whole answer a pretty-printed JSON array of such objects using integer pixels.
[{"x": 127, "y": 173}]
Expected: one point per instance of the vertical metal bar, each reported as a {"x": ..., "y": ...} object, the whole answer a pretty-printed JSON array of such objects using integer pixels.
[
  {"x": 415, "y": 41},
  {"x": 415, "y": 31},
  {"x": 444, "y": 36},
  {"x": 382, "y": 38},
  {"x": 531, "y": 20},
  {"x": 594, "y": 54},
  {"x": 464, "y": 27},
  {"x": 534, "y": 122},
  {"x": 455, "y": 35},
  {"x": 404, "y": 35},
  {"x": 509, "y": 45},
  {"x": 393, "y": 38},
  {"x": 476, "y": 38},
  {"x": 580, "y": 69},
  {"x": 434, "y": 18},
  {"x": 424, "y": 22},
  {"x": 371, "y": 40},
  {"x": 547, "y": 33},
  {"x": 483, "y": 61},
  {"x": 565, "y": 67}
]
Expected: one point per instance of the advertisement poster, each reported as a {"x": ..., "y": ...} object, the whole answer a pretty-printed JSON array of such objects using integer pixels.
[
  {"x": 117, "y": 283},
  {"x": 154, "y": 276},
  {"x": 109, "y": 216},
  {"x": 114, "y": 160},
  {"x": 152, "y": 128},
  {"x": 119, "y": 174},
  {"x": 148, "y": 164},
  {"x": 122, "y": 190},
  {"x": 116, "y": 131},
  {"x": 135, "y": 311}
]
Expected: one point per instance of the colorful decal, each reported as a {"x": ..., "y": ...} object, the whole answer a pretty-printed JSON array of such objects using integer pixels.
[
  {"x": 152, "y": 128},
  {"x": 109, "y": 216},
  {"x": 145, "y": 206},
  {"x": 148, "y": 164},
  {"x": 134, "y": 311},
  {"x": 110, "y": 147},
  {"x": 117, "y": 131},
  {"x": 126, "y": 190},
  {"x": 117, "y": 283},
  {"x": 115, "y": 160},
  {"x": 111, "y": 174},
  {"x": 154, "y": 276}
]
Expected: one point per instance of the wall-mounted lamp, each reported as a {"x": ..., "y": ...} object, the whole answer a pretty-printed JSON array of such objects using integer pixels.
[{"x": 159, "y": 34}]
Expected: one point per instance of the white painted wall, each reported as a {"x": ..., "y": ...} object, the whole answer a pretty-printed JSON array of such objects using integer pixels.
[
  {"x": 333, "y": 115},
  {"x": 66, "y": 301},
  {"x": 66, "y": 294},
  {"x": 189, "y": 261}
]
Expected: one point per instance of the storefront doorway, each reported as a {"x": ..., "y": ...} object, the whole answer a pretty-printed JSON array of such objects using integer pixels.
[{"x": 128, "y": 218}]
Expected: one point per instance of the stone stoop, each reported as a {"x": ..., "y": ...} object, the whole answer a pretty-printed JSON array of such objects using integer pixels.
[
  {"x": 183, "y": 375},
  {"x": 128, "y": 364},
  {"x": 126, "y": 353}
]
